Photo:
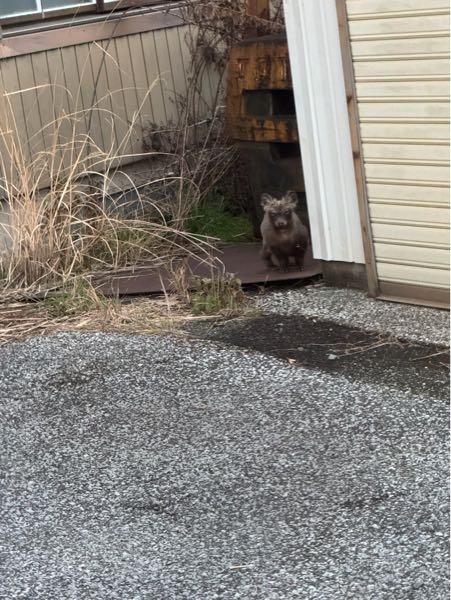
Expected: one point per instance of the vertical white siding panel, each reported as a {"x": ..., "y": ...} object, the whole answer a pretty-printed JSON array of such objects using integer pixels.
[
  {"x": 60, "y": 106},
  {"x": 45, "y": 97},
  {"x": 30, "y": 104},
  {"x": 167, "y": 82},
  {"x": 102, "y": 107},
  {"x": 13, "y": 124},
  {"x": 153, "y": 77},
  {"x": 78, "y": 122},
  {"x": 322, "y": 116},
  {"x": 125, "y": 52},
  {"x": 116, "y": 94}
]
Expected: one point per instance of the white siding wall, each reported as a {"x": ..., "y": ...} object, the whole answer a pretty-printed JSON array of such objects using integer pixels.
[
  {"x": 318, "y": 82},
  {"x": 401, "y": 62}
]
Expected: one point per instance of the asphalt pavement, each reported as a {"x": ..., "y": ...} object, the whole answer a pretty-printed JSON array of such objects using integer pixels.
[{"x": 267, "y": 462}]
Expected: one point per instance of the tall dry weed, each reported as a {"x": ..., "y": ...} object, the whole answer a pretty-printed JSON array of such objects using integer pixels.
[{"x": 63, "y": 218}]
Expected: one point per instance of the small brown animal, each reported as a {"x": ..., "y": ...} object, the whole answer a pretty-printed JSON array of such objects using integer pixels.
[{"x": 283, "y": 233}]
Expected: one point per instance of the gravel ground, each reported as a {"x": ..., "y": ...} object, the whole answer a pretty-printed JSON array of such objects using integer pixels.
[
  {"x": 157, "y": 468},
  {"x": 355, "y": 309},
  {"x": 367, "y": 357}
]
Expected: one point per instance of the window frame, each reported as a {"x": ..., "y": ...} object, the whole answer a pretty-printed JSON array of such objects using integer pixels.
[
  {"x": 45, "y": 35},
  {"x": 40, "y": 16},
  {"x": 104, "y": 7}
]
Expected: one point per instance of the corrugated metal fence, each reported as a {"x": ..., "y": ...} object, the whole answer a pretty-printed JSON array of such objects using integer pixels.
[{"x": 112, "y": 88}]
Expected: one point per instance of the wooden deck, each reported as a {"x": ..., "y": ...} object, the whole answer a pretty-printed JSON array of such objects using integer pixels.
[{"x": 241, "y": 259}]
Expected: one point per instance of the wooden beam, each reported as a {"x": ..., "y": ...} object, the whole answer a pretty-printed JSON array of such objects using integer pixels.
[
  {"x": 88, "y": 32},
  {"x": 356, "y": 142},
  {"x": 256, "y": 8}
]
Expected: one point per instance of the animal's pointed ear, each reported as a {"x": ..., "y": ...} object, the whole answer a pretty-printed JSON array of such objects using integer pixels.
[
  {"x": 292, "y": 198},
  {"x": 265, "y": 200}
]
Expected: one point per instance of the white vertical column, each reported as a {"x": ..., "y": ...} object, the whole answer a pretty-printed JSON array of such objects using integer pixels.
[{"x": 322, "y": 116}]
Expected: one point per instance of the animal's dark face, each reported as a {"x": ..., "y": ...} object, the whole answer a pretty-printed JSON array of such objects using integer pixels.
[
  {"x": 280, "y": 211},
  {"x": 280, "y": 216}
]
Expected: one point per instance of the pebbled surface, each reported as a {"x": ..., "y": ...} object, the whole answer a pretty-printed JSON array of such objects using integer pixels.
[
  {"x": 359, "y": 355},
  {"x": 353, "y": 308},
  {"x": 139, "y": 467}
]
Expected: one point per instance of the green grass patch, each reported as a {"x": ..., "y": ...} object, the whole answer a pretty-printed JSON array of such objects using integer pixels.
[
  {"x": 213, "y": 218},
  {"x": 74, "y": 298},
  {"x": 214, "y": 295}
]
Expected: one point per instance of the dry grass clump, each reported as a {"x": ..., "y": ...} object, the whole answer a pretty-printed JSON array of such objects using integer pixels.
[
  {"x": 66, "y": 219},
  {"x": 63, "y": 218},
  {"x": 72, "y": 308},
  {"x": 82, "y": 308},
  {"x": 219, "y": 293},
  {"x": 197, "y": 156}
]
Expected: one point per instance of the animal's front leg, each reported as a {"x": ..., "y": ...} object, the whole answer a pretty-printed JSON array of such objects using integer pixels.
[
  {"x": 266, "y": 254},
  {"x": 299, "y": 257},
  {"x": 300, "y": 262},
  {"x": 284, "y": 261}
]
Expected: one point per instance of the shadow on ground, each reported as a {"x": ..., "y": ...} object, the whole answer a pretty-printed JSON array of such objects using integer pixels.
[{"x": 333, "y": 348}]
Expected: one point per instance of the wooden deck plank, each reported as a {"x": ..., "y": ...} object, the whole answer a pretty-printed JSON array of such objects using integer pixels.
[{"x": 242, "y": 259}]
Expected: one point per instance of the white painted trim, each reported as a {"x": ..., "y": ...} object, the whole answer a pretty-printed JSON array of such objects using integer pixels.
[{"x": 325, "y": 139}]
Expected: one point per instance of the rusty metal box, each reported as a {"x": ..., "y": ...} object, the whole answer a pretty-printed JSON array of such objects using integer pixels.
[
  {"x": 260, "y": 104},
  {"x": 261, "y": 118}
]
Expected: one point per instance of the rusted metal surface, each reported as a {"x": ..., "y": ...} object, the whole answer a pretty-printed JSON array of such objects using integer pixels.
[
  {"x": 258, "y": 8},
  {"x": 261, "y": 117},
  {"x": 255, "y": 8},
  {"x": 260, "y": 67},
  {"x": 242, "y": 259}
]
